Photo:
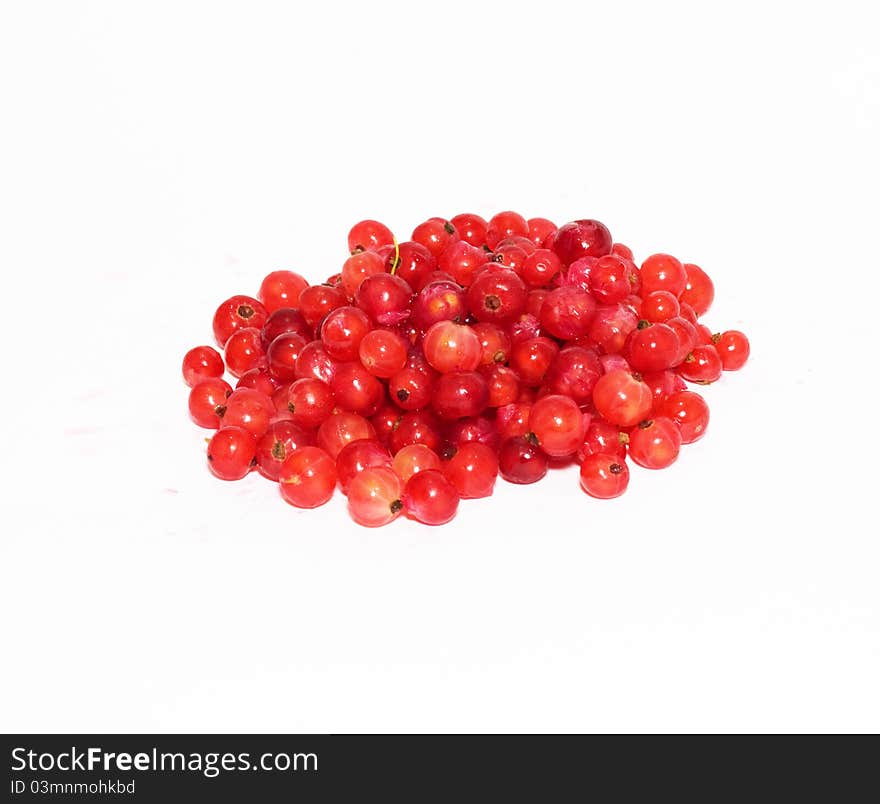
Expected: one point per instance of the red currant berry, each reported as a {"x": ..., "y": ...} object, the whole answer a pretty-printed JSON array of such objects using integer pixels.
[
  {"x": 610, "y": 327},
  {"x": 357, "y": 268},
  {"x": 281, "y": 289},
  {"x": 604, "y": 476},
  {"x": 279, "y": 441},
  {"x": 412, "y": 389},
  {"x": 342, "y": 332},
  {"x": 385, "y": 422},
  {"x": 733, "y": 349},
  {"x": 558, "y": 424},
  {"x": 414, "y": 458},
  {"x": 609, "y": 279},
  {"x": 659, "y": 306},
  {"x": 472, "y": 470},
  {"x": 314, "y": 361},
  {"x": 231, "y": 453},
  {"x": 250, "y": 410},
  {"x": 652, "y": 348},
  {"x": 574, "y": 373},
  {"x": 201, "y": 363},
  {"x": 317, "y": 301},
  {"x": 207, "y": 402},
  {"x": 540, "y": 267},
  {"x": 430, "y": 498},
  {"x": 452, "y": 347},
  {"x": 505, "y": 224},
  {"x": 356, "y": 390},
  {"x": 513, "y": 420},
  {"x": 532, "y": 358},
  {"x": 603, "y": 438},
  {"x": 496, "y": 296},
  {"x": 310, "y": 401},
  {"x": 471, "y": 228},
  {"x": 443, "y": 300},
  {"x": 353, "y": 458},
  {"x": 244, "y": 351},
  {"x": 385, "y": 299},
  {"x": 655, "y": 443},
  {"x": 340, "y": 429},
  {"x": 435, "y": 234},
  {"x": 374, "y": 496},
  {"x": 382, "y": 353},
  {"x": 540, "y": 229},
  {"x": 503, "y": 385},
  {"x": 699, "y": 291},
  {"x": 284, "y": 321},
  {"x": 237, "y": 313},
  {"x": 622, "y": 399},
  {"x": 369, "y": 235},
  {"x": 622, "y": 251},
  {"x": 283, "y": 354},
  {"x": 462, "y": 262},
  {"x": 663, "y": 272},
  {"x": 460, "y": 393},
  {"x": 416, "y": 427},
  {"x": 689, "y": 411},
  {"x": 520, "y": 461},
  {"x": 567, "y": 313},
  {"x": 581, "y": 239},
  {"x": 308, "y": 477},
  {"x": 259, "y": 380},
  {"x": 413, "y": 263},
  {"x": 702, "y": 365},
  {"x": 479, "y": 429}
]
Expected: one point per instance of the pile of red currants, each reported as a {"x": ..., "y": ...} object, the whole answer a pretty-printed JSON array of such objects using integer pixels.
[{"x": 426, "y": 368}]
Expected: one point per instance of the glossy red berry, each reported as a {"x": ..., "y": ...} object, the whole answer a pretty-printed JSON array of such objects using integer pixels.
[
  {"x": 285, "y": 321},
  {"x": 540, "y": 267},
  {"x": 609, "y": 279},
  {"x": 258, "y": 379},
  {"x": 207, "y": 402},
  {"x": 460, "y": 393},
  {"x": 231, "y": 453},
  {"x": 663, "y": 272},
  {"x": 201, "y": 363},
  {"x": 652, "y": 347},
  {"x": 430, "y": 498},
  {"x": 505, "y": 224},
  {"x": 250, "y": 410},
  {"x": 733, "y": 349},
  {"x": 279, "y": 441},
  {"x": 581, "y": 239},
  {"x": 435, "y": 234},
  {"x": 374, "y": 496},
  {"x": 357, "y": 268},
  {"x": 503, "y": 385},
  {"x": 443, "y": 300},
  {"x": 382, "y": 353},
  {"x": 539, "y": 230},
  {"x": 497, "y": 296},
  {"x": 532, "y": 358},
  {"x": 558, "y": 424},
  {"x": 621, "y": 398},
  {"x": 603, "y": 438},
  {"x": 659, "y": 306},
  {"x": 452, "y": 347},
  {"x": 355, "y": 389},
  {"x": 237, "y": 313},
  {"x": 610, "y": 327},
  {"x": 471, "y": 228},
  {"x": 413, "y": 263},
  {"x": 521, "y": 461},
  {"x": 689, "y": 411},
  {"x": 281, "y": 289},
  {"x": 703, "y": 365},
  {"x": 310, "y": 401},
  {"x": 699, "y": 291},
  {"x": 462, "y": 261},
  {"x": 307, "y": 477},
  {"x": 314, "y": 361},
  {"x": 283, "y": 354},
  {"x": 385, "y": 299},
  {"x": 340, "y": 429},
  {"x": 416, "y": 427},
  {"x": 356, "y": 456},
  {"x": 342, "y": 332},
  {"x": 655, "y": 443},
  {"x": 414, "y": 458},
  {"x": 574, "y": 373},
  {"x": 411, "y": 389},
  {"x": 604, "y": 476},
  {"x": 244, "y": 351},
  {"x": 369, "y": 235},
  {"x": 567, "y": 312},
  {"x": 473, "y": 470},
  {"x": 317, "y": 301}
]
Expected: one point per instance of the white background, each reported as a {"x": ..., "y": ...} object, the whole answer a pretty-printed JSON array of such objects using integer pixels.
[{"x": 159, "y": 157}]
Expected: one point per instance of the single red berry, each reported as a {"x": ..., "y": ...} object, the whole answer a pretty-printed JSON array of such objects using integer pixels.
[
  {"x": 689, "y": 411},
  {"x": 497, "y": 296},
  {"x": 357, "y": 268},
  {"x": 574, "y": 373},
  {"x": 231, "y": 453},
  {"x": 567, "y": 312},
  {"x": 385, "y": 299},
  {"x": 317, "y": 301},
  {"x": 512, "y": 256},
  {"x": 655, "y": 443},
  {"x": 258, "y": 379},
  {"x": 503, "y": 385},
  {"x": 416, "y": 427},
  {"x": 244, "y": 351},
  {"x": 237, "y": 313},
  {"x": 663, "y": 272},
  {"x": 207, "y": 402},
  {"x": 357, "y": 456},
  {"x": 472, "y": 470},
  {"x": 609, "y": 279},
  {"x": 621, "y": 398},
  {"x": 314, "y": 361},
  {"x": 603, "y": 438},
  {"x": 513, "y": 420},
  {"x": 471, "y": 228},
  {"x": 703, "y": 365},
  {"x": 443, "y": 300},
  {"x": 281, "y": 289},
  {"x": 310, "y": 401},
  {"x": 659, "y": 306},
  {"x": 283, "y": 354},
  {"x": 539, "y": 230},
  {"x": 368, "y": 235},
  {"x": 435, "y": 234},
  {"x": 250, "y": 410},
  {"x": 687, "y": 337},
  {"x": 604, "y": 476},
  {"x": 521, "y": 461},
  {"x": 201, "y": 363},
  {"x": 663, "y": 384},
  {"x": 505, "y": 224},
  {"x": 622, "y": 251},
  {"x": 430, "y": 498},
  {"x": 480, "y": 429},
  {"x": 385, "y": 421},
  {"x": 652, "y": 347},
  {"x": 374, "y": 496},
  {"x": 413, "y": 263},
  {"x": 462, "y": 261},
  {"x": 412, "y": 389},
  {"x": 285, "y": 321},
  {"x": 733, "y": 349},
  {"x": 581, "y": 239},
  {"x": 610, "y": 327},
  {"x": 558, "y": 424},
  {"x": 307, "y": 477},
  {"x": 532, "y": 358},
  {"x": 460, "y": 393},
  {"x": 382, "y": 353},
  {"x": 452, "y": 347},
  {"x": 699, "y": 291},
  {"x": 342, "y": 332},
  {"x": 279, "y": 441},
  {"x": 414, "y": 458},
  {"x": 340, "y": 429},
  {"x": 355, "y": 389},
  {"x": 540, "y": 267}
]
